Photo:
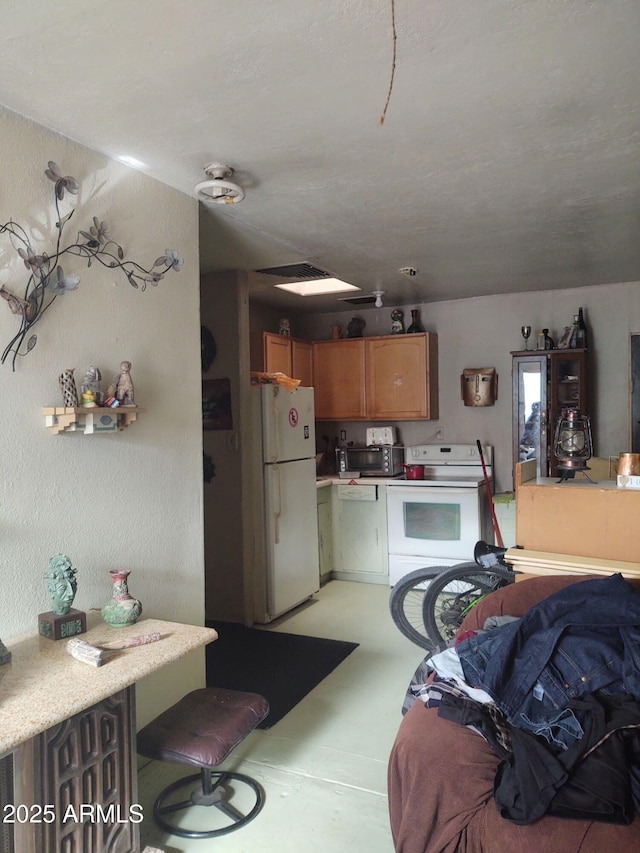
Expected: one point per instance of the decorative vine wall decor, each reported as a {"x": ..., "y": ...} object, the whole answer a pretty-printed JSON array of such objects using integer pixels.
[{"x": 47, "y": 279}]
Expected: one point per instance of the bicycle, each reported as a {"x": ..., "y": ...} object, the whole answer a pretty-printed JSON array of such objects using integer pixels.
[{"x": 429, "y": 604}]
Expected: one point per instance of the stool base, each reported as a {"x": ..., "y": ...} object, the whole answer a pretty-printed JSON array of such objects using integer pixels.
[{"x": 210, "y": 792}]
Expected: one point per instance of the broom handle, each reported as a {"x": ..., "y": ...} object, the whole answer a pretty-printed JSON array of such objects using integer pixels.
[{"x": 494, "y": 520}]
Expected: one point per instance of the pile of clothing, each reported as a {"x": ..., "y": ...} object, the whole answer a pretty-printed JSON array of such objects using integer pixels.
[{"x": 556, "y": 693}]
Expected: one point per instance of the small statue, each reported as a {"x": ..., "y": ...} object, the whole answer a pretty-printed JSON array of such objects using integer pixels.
[
  {"x": 355, "y": 327},
  {"x": 61, "y": 583},
  {"x": 397, "y": 326},
  {"x": 68, "y": 388},
  {"x": 122, "y": 387},
  {"x": 285, "y": 328}
]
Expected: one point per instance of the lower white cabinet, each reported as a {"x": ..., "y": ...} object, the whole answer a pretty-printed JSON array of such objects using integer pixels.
[
  {"x": 325, "y": 536},
  {"x": 359, "y": 516}
]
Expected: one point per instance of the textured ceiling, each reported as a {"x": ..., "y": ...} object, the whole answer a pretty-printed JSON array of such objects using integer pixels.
[{"x": 509, "y": 159}]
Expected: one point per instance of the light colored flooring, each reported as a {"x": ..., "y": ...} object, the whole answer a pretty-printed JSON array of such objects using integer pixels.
[{"x": 323, "y": 766}]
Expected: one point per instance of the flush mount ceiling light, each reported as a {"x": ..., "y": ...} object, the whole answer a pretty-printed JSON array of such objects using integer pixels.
[
  {"x": 378, "y": 295},
  {"x": 317, "y": 287},
  {"x": 217, "y": 189}
]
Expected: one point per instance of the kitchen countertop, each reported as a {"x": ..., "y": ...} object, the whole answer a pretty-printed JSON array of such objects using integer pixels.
[
  {"x": 43, "y": 685},
  {"x": 334, "y": 480}
]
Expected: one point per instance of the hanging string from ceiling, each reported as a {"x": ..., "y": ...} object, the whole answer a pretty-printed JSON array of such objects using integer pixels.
[{"x": 393, "y": 61}]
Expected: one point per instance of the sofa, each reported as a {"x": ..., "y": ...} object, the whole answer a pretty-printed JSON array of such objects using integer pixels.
[{"x": 441, "y": 774}]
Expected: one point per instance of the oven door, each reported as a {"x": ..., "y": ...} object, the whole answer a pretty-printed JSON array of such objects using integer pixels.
[{"x": 436, "y": 522}]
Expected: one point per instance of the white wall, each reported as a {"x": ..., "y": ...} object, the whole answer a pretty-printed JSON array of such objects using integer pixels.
[
  {"x": 132, "y": 499},
  {"x": 482, "y": 332}
]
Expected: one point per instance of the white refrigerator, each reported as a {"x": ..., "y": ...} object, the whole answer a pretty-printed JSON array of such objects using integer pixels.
[{"x": 287, "y": 520}]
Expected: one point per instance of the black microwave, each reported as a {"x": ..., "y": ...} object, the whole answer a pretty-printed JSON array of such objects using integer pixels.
[{"x": 375, "y": 460}]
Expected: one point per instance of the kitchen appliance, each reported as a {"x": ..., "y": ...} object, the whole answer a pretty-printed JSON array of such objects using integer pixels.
[
  {"x": 381, "y": 435},
  {"x": 371, "y": 460},
  {"x": 286, "y": 570},
  {"x": 437, "y": 521}
]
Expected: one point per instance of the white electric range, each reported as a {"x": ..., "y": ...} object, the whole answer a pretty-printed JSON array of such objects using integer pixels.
[{"x": 438, "y": 520}]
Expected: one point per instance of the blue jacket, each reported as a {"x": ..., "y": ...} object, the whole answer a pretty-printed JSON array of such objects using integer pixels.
[{"x": 584, "y": 638}]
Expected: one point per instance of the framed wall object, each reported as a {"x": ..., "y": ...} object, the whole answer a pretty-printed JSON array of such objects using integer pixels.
[
  {"x": 216, "y": 404},
  {"x": 565, "y": 337},
  {"x": 479, "y": 386}
]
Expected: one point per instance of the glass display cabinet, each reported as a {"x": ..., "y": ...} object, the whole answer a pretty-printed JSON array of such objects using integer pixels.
[{"x": 543, "y": 383}]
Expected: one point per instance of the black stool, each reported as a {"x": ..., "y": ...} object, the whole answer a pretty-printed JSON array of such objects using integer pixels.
[{"x": 201, "y": 730}]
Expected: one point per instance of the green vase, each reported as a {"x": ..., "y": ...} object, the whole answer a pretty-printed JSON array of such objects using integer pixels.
[{"x": 123, "y": 609}]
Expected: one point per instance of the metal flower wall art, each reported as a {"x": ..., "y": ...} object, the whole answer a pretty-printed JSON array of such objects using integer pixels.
[{"x": 47, "y": 278}]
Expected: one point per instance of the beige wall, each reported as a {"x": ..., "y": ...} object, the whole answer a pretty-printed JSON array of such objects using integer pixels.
[{"x": 131, "y": 499}]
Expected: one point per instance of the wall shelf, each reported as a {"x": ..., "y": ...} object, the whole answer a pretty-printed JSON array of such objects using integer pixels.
[{"x": 89, "y": 420}]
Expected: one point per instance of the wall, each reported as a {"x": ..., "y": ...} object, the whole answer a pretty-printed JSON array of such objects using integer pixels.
[
  {"x": 482, "y": 332},
  {"x": 130, "y": 499}
]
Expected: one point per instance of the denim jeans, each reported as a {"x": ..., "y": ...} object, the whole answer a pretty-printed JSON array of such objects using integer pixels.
[{"x": 584, "y": 638}]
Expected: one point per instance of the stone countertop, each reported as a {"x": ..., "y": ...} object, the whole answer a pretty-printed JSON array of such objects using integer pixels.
[{"x": 43, "y": 685}]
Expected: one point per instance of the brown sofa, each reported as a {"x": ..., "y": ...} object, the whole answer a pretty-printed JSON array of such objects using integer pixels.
[{"x": 441, "y": 775}]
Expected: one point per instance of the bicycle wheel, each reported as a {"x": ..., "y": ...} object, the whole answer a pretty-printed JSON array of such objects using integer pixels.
[
  {"x": 453, "y": 593},
  {"x": 407, "y": 600}
]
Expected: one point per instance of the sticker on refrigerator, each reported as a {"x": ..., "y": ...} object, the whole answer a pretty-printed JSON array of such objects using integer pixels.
[{"x": 293, "y": 417}]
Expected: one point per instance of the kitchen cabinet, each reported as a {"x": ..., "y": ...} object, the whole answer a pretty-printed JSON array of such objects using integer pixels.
[
  {"x": 325, "y": 541},
  {"x": 543, "y": 383},
  {"x": 390, "y": 377},
  {"x": 290, "y": 356},
  {"x": 359, "y": 523},
  {"x": 402, "y": 377},
  {"x": 339, "y": 376}
]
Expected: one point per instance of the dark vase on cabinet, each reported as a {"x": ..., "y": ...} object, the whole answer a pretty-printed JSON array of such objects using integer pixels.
[{"x": 416, "y": 325}]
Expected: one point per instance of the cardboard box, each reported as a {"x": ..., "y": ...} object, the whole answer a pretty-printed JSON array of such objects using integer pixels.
[{"x": 626, "y": 481}]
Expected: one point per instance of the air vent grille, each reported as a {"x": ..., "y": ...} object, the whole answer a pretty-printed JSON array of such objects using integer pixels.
[
  {"x": 296, "y": 271},
  {"x": 357, "y": 300}
]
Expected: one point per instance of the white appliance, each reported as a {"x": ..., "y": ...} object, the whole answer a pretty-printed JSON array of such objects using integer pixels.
[
  {"x": 437, "y": 521},
  {"x": 286, "y": 529}
]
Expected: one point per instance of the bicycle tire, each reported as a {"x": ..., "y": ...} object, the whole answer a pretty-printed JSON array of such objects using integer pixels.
[
  {"x": 452, "y": 594},
  {"x": 406, "y": 603}
]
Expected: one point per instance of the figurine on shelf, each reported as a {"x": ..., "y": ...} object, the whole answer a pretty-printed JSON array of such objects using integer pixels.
[
  {"x": 91, "y": 382},
  {"x": 88, "y": 399},
  {"x": 355, "y": 327},
  {"x": 397, "y": 326},
  {"x": 285, "y": 328},
  {"x": 61, "y": 583},
  {"x": 68, "y": 388},
  {"x": 122, "y": 387}
]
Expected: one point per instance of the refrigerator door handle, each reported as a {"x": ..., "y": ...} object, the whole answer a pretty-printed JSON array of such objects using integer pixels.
[{"x": 277, "y": 504}]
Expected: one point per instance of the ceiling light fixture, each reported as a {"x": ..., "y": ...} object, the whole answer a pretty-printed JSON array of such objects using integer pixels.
[
  {"x": 378, "y": 295},
  {"x": 217, "y": 188},
  {"x": 317, "y": 287}
]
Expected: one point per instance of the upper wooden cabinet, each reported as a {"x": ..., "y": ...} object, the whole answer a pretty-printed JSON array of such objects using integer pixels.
[
  {"x": 286, "y": 355},
  {"x": 339, "y": 379},
  {"x": 402, "y": 377},
  {"x": 390, "y": 378}
]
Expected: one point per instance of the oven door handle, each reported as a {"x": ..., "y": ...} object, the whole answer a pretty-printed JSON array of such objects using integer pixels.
[{"x": 416, "y": 490}]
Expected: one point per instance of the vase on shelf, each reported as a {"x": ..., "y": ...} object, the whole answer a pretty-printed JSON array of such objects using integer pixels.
[
  {"x": 122, "y": 609},
  {"x": 416, "y": 325}
]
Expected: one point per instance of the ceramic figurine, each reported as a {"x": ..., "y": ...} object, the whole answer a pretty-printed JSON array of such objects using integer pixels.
[
  {"x": 68, "y": 388},
  {"x": 397, "y": 326},
  {"x": 285, "y": 328},
  {"x": 122, "y": 388},
  {"x": 61, "y": 583}
]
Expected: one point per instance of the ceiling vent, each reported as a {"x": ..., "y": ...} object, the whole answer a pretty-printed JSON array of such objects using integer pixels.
[
  {"x": 358, "y": 300},
  {"x": 296, "y": 271}
]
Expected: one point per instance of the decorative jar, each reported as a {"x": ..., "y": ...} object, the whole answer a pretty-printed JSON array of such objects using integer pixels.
[{"x": 123, "y": 609}]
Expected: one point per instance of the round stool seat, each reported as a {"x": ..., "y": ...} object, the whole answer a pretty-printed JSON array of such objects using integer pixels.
[{"x": 201, "y": 730}]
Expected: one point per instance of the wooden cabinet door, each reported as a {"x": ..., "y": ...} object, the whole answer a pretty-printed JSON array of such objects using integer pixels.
[
  {"x": 302, "y": 362},
  {"x": 339, "y": 379},
  {"x": 402, "y": 379},
  {"x": 276, "y": 350}
]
